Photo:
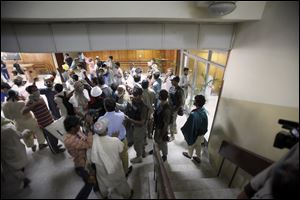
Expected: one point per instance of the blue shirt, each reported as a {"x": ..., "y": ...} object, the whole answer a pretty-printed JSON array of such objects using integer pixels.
[
  {"x": 115, "y": 120},
  {"x": 3, "y": 95},
  {"x": 157, "y": 86}
]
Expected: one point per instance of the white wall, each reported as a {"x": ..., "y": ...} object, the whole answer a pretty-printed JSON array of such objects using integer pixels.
[
  {"x": 261, "y": 86},
  {"x": 264, "y": 64},
  {"x": 122, "y": 11},
  {"x": 62, "y": 37}
]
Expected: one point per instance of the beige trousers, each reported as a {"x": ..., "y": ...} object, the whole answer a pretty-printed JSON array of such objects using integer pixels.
[
  {"x": 124, "y": 156},
  {"x": 196, "y": 146}
]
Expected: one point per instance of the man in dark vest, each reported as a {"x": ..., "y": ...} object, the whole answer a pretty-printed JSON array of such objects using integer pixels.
[
  {"x": 176, "y": 100},
  {"x": 162, "y": 119},
  {"x": 136, "y": 113}
]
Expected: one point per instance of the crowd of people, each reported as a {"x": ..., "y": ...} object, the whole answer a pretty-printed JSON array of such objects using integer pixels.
[{"x": 106, "y": 111}]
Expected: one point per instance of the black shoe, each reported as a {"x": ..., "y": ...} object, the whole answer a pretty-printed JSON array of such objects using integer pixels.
[
  {"x": 61, "y": 150},
  {"x": 164, "y": 158},
  {"x": 33, "y": 148},
  {"x": 128, "y": 171},
  {"x": 186, "y": 155},
  {"x": 144, "y": 154},
  {"x": 26, "y": 182},
  {"x": 42, "y": 146},
  {"x": 131, "y": 194},
  {"x": 130, "y": 144},
  {"x": 197, "y": 159},
  {"x": 150, "y": 152},
  {"x": 96, "y": 188}
]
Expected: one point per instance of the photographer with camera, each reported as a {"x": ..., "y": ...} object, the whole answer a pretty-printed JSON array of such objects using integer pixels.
[{"x": 281, "y": 179}]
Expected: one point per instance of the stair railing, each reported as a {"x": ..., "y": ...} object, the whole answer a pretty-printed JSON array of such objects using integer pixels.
[
  {"x": 162, "y": 182},
  {"x": 248, "y": 161}
]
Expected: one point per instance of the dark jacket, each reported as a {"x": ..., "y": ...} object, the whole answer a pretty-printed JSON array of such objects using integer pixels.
[{"x": 196, "y": 125}]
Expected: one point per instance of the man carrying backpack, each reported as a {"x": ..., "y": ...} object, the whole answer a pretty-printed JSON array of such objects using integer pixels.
[{"x": 62, "y": 101}]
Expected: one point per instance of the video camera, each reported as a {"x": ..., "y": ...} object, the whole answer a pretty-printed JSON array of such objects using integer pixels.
[{"x": 286, "y": 139}]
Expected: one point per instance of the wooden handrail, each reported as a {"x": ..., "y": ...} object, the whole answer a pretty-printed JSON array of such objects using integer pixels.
[
  {"x": 162, "y": 181},
  {"x": 248, "y": 161}
]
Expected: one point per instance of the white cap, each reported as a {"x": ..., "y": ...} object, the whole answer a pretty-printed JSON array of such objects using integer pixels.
[
  {"x": 124, "y": 89},
  {"x": 122, "y": 86},
  {"x": 96, "y": 91},
  {"x": 101, "y": 126},
  {"x": 49, "y": 77}
]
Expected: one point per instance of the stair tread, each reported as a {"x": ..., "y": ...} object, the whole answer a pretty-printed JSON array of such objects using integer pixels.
[
  {"x": 189, "y": 175},
  {"x": 198, "y": 184},
  {"x": 188, "y": 167},
  {"x": 225, "y": 193}
]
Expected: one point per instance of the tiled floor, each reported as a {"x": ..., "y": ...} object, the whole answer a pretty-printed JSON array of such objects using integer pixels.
[{"x": 53, "y": 176}]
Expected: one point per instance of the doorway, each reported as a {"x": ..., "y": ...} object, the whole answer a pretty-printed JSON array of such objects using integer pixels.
[{"x": 206, "y": 73}]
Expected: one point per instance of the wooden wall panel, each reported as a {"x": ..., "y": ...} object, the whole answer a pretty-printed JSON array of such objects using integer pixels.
[
  {"x": 167, "y": 58},
  {"x": 41, "y": 62},
  {"x": 39, "y": 59},
  {"x": 123, "y": 55}
]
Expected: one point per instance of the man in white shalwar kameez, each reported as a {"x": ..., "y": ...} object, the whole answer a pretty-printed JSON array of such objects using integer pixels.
[
  {"x": 13, "y": 157},
  {"x": 105, "y": 155}
]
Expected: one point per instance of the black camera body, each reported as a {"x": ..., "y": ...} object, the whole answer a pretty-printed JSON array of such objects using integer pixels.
[{"x": 286, "y": 139}]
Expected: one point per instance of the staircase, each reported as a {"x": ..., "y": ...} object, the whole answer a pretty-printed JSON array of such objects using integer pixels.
[
  {"x": 182, "y": 178},
  {"x": 190, "y": 180}
]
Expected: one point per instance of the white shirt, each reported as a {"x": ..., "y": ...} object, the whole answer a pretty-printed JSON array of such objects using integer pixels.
[
  {"x": 70, "y": 84},
  {"x": 184, "y": 81},
  {"x": 106, "y": 153},
  {"x": 167, "y": 85},
  {"x": 115, "y": 123},
  {"x": 74, "y": 101}
]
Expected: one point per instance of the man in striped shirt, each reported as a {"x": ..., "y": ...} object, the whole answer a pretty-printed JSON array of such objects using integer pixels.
[{"x": 37, "y": 105}]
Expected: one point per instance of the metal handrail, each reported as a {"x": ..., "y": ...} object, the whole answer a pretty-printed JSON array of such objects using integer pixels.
[{"x": 162, "y": 182}]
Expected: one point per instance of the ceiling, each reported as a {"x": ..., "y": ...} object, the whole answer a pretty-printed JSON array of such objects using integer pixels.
[{"x": 125, "y": 11}]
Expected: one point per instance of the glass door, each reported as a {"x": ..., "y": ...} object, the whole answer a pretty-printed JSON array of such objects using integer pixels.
[{"x": 206, "y": 71}]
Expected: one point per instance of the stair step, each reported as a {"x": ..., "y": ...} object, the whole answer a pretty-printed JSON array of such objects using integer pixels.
[
  {"x": 191, "y": 175},
  {"x": 228, "y": 193},
  {"x": 201, "y": 184},
  {"x": 188, "y": 166}
]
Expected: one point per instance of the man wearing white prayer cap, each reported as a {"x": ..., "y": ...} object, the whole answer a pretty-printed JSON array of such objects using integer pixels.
[
  {"x": 100, "y": 127},
  {"x": 96, "y": 91},
  {"x": 109, "y": 169}
]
